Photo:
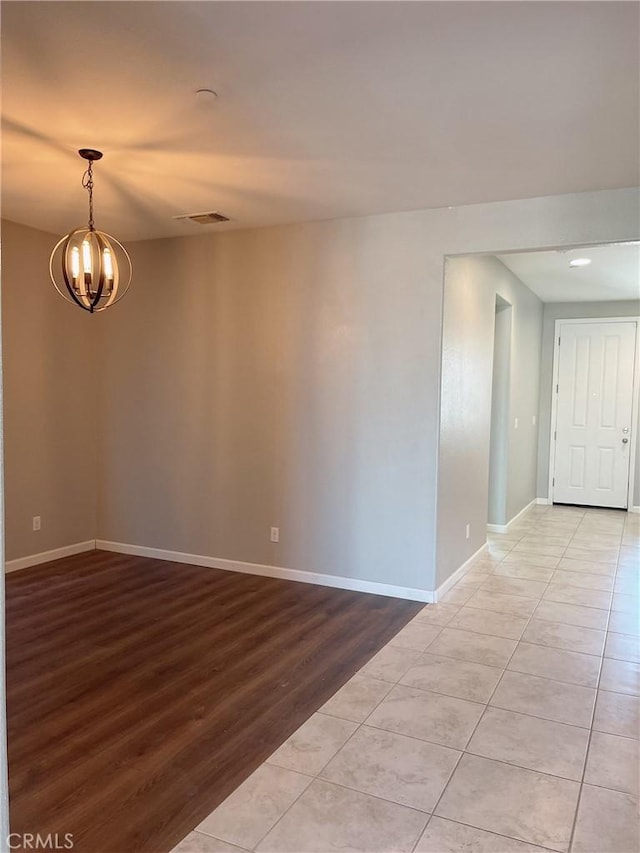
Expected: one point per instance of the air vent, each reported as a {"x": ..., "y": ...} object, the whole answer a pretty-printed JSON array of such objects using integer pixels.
[{"x": 204, "y": 218}]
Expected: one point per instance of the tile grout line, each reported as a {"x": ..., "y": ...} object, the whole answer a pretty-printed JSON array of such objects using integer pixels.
[
  {"x": 513, "y": 640},
  {"x": 602, "y": 658},
  {"x": 359, "y": 726},
  {"x": 464, "y": 751},
  {"x": 315, "y": 776},
  {"x": 593, "y": 714},
  {"x": 499, "y": 707},
  {"x": 492, "y": 832},
  {"x": 325, "y": 765},
  {"x": 401, "y": 683}
]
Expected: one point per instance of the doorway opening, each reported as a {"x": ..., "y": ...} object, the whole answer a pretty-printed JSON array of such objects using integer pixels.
[
  {"x": 499, "y": 431},
  {"x": 498, "y": 381}
]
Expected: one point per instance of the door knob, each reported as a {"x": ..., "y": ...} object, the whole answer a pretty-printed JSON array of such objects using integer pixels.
[{"x": 625, "y": 440}]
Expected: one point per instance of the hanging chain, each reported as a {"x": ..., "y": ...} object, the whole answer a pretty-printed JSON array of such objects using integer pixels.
[{"x": 87, "y": 183}]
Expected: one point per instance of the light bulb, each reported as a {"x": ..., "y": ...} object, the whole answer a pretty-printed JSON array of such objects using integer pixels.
[
  {"x": 75, "y": 263},
  {"x": 86, "y": 260},
  {"x": 107, "y": 264}
]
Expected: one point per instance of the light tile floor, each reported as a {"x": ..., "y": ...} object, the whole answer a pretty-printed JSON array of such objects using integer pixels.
[{"x": 502, "y": 720}]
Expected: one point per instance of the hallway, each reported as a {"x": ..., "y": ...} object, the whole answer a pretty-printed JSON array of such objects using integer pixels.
[{"x": 503, "y": 719}]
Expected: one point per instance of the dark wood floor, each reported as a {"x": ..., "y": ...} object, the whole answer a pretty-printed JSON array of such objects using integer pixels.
[{"x": 141, "y": 692}]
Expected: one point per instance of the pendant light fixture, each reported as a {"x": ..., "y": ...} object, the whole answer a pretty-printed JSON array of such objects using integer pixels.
[{"x": 89, "y": 268}]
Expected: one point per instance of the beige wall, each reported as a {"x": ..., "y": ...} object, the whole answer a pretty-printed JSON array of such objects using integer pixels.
[
  {"x": 290, "y": 376},
  {"x": 258, "y": 380},
  {"x": 500, "y": 412},
  {"x": 471, "y": 287},
  {"x": 285, "y": 376},
  {"x": 49, "y": 402},
  {"x": 4, "y": 773}
]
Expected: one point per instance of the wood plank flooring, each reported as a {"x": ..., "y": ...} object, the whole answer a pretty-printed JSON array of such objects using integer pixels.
[{"x": 141, "y": 692}]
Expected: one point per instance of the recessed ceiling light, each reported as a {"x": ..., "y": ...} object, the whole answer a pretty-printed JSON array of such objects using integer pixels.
[{"x": 580, "y": 262}]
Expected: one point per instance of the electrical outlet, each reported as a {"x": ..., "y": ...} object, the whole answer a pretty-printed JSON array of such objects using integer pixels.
[
  {"x": 36, "y": 522},
  {"x": 275, "y": 534},
  {"x": 467, "y": 531}
]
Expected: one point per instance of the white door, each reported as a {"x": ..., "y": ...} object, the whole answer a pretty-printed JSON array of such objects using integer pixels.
[{"x": 594, "y": 407}]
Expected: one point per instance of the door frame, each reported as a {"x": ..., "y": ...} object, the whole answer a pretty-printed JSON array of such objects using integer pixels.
[{"x": 635, "y": 397}]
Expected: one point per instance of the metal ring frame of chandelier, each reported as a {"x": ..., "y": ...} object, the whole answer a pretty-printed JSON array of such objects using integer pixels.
[
  {"x": 84, "y": 265},
  {"x": 87, "y": 301}
]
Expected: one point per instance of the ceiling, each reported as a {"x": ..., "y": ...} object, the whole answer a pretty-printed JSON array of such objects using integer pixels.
[
  {"x": 613, "y": 274},
  {"x": 325, "y": 109}
]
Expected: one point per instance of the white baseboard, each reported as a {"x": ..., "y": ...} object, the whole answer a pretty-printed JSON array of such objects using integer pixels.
[
  {"x": 549, "y": 502},
  {"x": 335, "y": 581},
  {"x": 504, "y": 528},
  {"x": 459, "y": 572},
  {"x": 47, "y": 556}
]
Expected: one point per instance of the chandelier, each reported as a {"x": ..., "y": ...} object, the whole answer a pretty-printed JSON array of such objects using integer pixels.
[{"x": 89, "y": 268}]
